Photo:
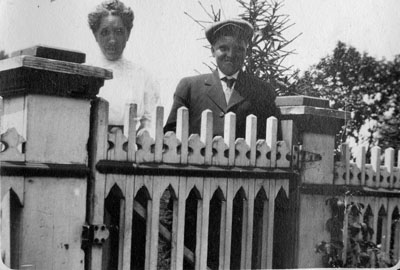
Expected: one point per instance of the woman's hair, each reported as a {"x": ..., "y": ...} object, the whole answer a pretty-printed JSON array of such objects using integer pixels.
[{"x": 111, "y": 7}]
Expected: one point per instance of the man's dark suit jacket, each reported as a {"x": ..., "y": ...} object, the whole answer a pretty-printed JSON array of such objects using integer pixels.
[{"x": 198, "y": 93}]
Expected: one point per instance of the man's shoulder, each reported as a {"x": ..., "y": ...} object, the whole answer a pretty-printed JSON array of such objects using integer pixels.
[
  {"x": 197, "y": 78},
  {"x": 257, "y": 85}
]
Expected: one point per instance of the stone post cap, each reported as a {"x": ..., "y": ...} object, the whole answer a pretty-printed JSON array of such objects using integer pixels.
[
  {"x": 60, "y": 74},
  {"x": 312, "y": 114}
]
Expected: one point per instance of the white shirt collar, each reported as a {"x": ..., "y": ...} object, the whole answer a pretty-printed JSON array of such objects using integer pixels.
[{"x": 222, "y": 75}]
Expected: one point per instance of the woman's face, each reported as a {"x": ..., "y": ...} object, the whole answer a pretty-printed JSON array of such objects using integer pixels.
[{"x": 112, "y": 36}]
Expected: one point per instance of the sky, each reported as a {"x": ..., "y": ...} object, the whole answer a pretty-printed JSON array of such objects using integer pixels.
[{"x": 170, "y": 45}]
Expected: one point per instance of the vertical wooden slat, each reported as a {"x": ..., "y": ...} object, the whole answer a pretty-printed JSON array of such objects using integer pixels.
[
  {"x": 376, "y": 164},
  {"x": 271, "y": 133},
  {"x": 146, "y": 181},
  {"x": 121, "y": 234},
  {"x": 360, "y": 161},
  {"x": 228, "y": 225},
  {"x": 198, "y": 231},
  {"x": 229, "y": 136},
  {"x": 96, "y": 191},
  {"x": 206, "y": 134},
  {"x": 396, "y": 184},
  {"x": 245, "y": 213},
  {"x": 396, "y": 248},
  {"x": 390, "y": 208},
  {"x": 389, "y": 163},
  {"x": 205, "y": 213},
  {"x": 130, "y": 132},
  {"x": 376, "y": 215},
  {"x": 250, "y": 219},
  {"x": 271, "y": 214},
  {"x": 159, "y": 140},
  {"x": 154, "y": 225},
  {"x": 345, "y": 229},
  {"x": 220, "y": 183},
  {"x": 127, "y": 232},
  {"x": 182, "y": 132},
  {"x": 178, "y": 231},
  {"x": 262, "y": 184},
  {"x": 345, "y": 159},
  {"x": 251, "y": 137}
]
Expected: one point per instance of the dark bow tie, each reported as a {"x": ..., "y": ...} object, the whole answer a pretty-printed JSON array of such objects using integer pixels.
[{"x": 229, "y": 82}]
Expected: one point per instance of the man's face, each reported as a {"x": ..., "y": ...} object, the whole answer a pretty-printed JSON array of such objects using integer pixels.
[
  {"x": 229, "y": 53},
  {"x": 112, "y": 36}
]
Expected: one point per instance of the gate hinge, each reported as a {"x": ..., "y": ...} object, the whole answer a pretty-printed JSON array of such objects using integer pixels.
[
  {"x": 94, "y": 234},
  {"x": 303, "y": 156}
]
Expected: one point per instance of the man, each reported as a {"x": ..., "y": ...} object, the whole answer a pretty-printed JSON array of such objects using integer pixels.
[{"x": 227, "y": 89}]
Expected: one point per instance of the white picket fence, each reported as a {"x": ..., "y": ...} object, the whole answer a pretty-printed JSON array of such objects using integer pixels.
[
  {"x": 183, "y": 152},
  {"x": 373, "y": 175}
]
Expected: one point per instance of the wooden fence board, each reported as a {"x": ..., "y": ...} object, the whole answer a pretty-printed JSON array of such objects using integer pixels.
[
  {"x": 229, "y": 136},
  {"x": 271, "y": 213},
  {"x": 248, "y": 235},
  {"x": 271, "y": 138},
  {"x": 178, "y": 232},
  {"x": 205, "y": 213},
  {"x": 182, "y": 132},
  {"x": 228, "y": 226},
  {"x": 127, "y": 225}
]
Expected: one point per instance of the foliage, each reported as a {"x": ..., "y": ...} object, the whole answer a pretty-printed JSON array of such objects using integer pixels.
[
  {"x": 360, "y": 251},
  {"x": 362, "y": 85},
  {"x": 269, "y": 47},
  {"x": 3, "y": 55}
]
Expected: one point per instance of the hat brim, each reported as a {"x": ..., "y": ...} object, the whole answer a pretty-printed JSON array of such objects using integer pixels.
[{"x": 236, "y": 27}]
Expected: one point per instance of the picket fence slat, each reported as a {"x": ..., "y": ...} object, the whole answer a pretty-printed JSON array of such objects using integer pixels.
[
  {"x": 130, "y": 130},
  {"x": 360, "y": 161},
  {"x": 159, "y": 135},
  {"x": 182, "y": 132},
  {"x": 271, "y": 138}
]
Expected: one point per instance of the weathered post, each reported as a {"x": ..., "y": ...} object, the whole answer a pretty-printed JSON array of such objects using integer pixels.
[
  {"x": 315, "y": 128},
  {"x": 47, "y": 94}
]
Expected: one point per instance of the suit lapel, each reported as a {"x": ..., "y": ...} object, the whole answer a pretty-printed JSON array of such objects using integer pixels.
[{"x": 215, "y": 92}]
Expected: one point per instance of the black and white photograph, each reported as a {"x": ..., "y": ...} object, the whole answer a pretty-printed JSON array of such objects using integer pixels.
[{"x": 199, "y": 134}]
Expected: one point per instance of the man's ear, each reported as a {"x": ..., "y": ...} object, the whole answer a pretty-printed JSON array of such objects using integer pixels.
[{"x": 212, "y": 50}]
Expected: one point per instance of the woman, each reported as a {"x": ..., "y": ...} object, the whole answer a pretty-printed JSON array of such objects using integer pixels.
[{"x": 111, "y": 24}]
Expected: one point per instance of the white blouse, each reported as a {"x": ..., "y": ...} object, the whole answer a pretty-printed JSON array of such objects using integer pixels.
[{"x": 130, "y": 84}]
